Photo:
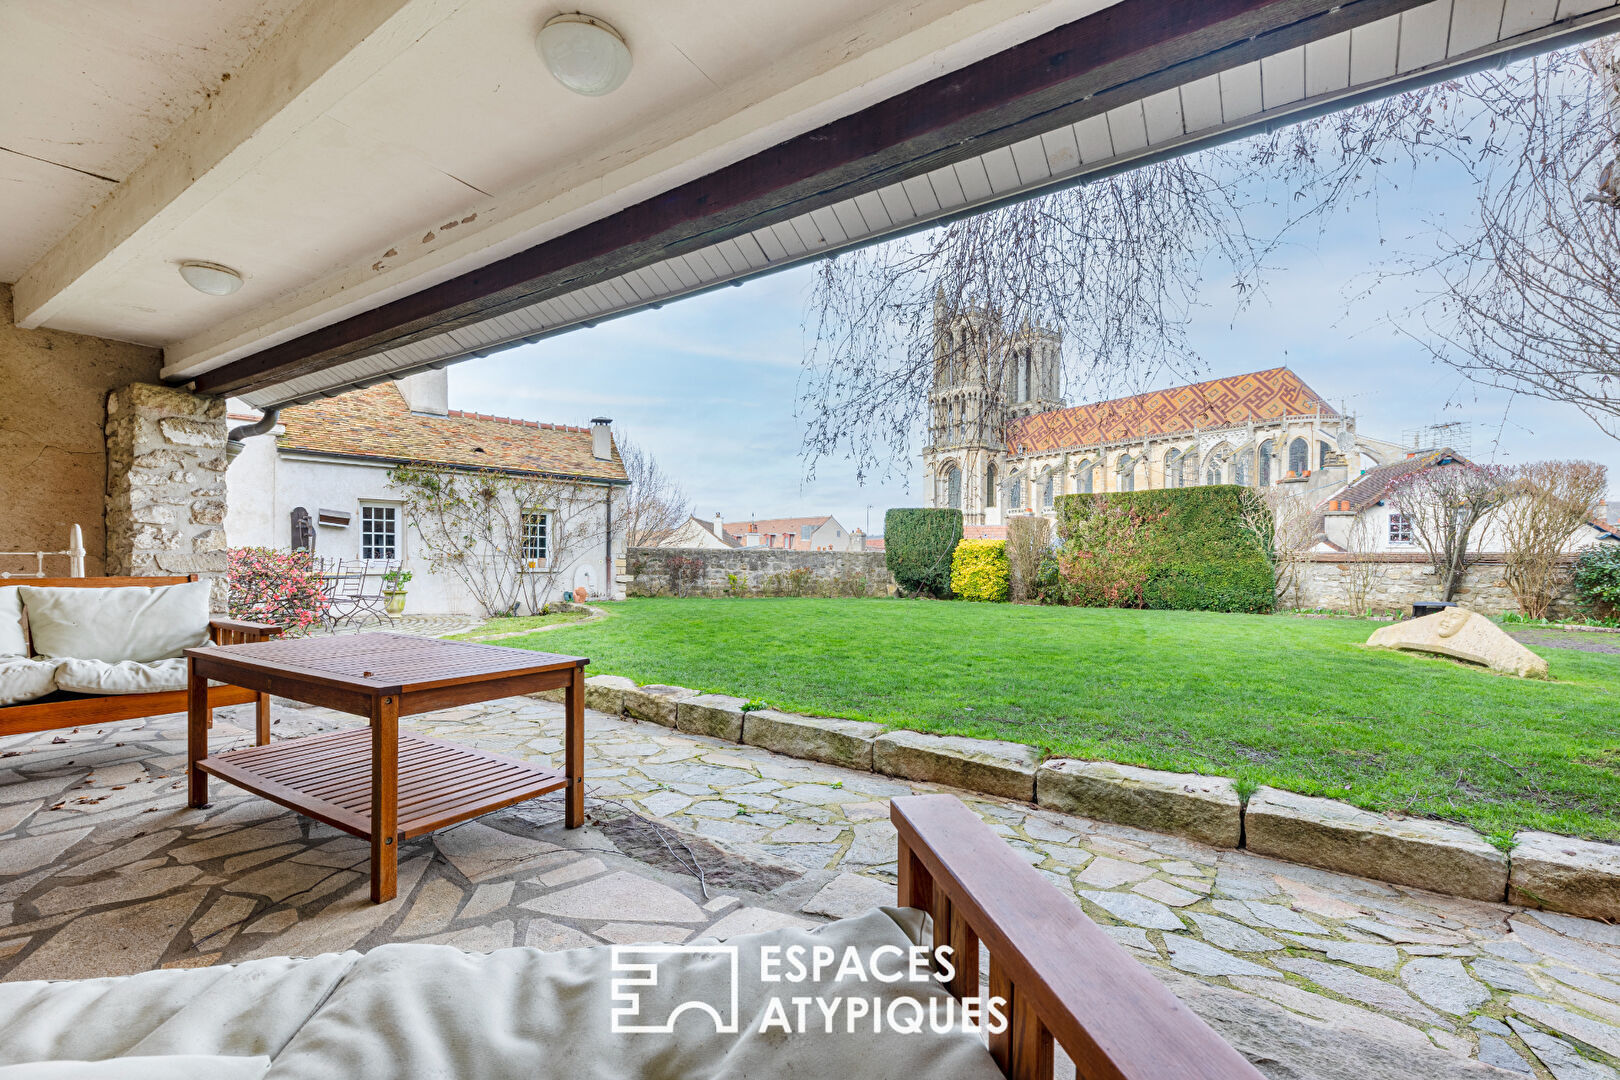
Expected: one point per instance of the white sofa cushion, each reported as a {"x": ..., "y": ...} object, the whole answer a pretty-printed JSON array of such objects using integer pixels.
[
  {"x": 22, "y": 679},
  {"x": 171, "y": 1067},
  {"x": 403, "y": 1012},
  {"x": 138, "y": 622},
  {"x": 124, "y": 677},
  {"x": 13, "y": 639}
]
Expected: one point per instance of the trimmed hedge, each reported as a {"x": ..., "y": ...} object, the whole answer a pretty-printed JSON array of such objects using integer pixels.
[
  {"x": 919, "y": 543},
  {"x": 1202, "y": 556},
  {"x": 979, "y": 570},
  {"x": 1597, "y": 580}
]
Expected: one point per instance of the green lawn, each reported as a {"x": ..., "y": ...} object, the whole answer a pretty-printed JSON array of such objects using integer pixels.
[{"x": 1291, "y": 702}]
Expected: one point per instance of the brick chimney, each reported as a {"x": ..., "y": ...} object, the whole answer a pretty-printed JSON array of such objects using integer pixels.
[{"x": 602, "y": 439}]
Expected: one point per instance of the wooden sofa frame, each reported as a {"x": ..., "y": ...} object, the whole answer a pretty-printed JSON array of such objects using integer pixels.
[
  {"x": 1062, "y": 978},
  {"x": 78, "y": 710}
]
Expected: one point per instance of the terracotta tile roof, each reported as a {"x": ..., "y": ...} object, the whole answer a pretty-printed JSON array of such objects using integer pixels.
[
  {"x": 376, "y": 423},
  {"x": 1374, "y": 484},
  {"x": 1259, "y": 395},
  {"x": 775, "y": 525},
  {"x": 875, "y": 543},
  {"x": 984, "y": 532}
]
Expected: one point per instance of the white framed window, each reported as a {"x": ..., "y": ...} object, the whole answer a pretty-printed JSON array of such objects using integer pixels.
[
  {"x": 379, "y": 531},
  {"x": 536, "y": 538},
  {"x": 1400, "y": 529}
]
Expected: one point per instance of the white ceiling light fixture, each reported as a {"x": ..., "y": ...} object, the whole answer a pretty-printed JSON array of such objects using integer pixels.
[
  {"x": 584, "y": 54},
  {"x": 210, "y": 278}
]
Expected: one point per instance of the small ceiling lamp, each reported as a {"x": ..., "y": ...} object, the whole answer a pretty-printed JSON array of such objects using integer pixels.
[
  {"x": 584, "y": 54},
  {"x": 211, "y": 278}
]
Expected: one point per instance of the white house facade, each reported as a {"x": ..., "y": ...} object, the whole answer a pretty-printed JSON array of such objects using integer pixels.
[{"x": 321, "y": 481}]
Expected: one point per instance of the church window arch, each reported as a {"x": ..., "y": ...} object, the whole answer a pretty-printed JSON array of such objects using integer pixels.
[
  {"x": 1322, "y": 452},
  {"x": 990, "y": 485},
  {"x": 1083, "y": 478},
  {"x": 1014, "y": 490},
  {"x": 1265, "y": 463},
  {"x": 1127, "y": 473},
  {"x": 1241, "y": 468},
  {"x": 1218, "y": 464},
  {"x": 1299, "y": 457},
  {"x": 1189, "y": 468},
  {"x": 953, "y": 487},
  {"x": 1048, "y": 489},
  {"x": 1172, "y": 468}
]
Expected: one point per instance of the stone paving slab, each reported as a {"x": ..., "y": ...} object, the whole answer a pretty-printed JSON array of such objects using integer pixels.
[{"x": 104, "y": 870}]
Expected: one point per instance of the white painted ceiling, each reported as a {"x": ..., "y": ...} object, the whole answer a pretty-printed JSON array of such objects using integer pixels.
[
  {"x": 92, "y": 88},
  {"x": 435, "y": 143}
]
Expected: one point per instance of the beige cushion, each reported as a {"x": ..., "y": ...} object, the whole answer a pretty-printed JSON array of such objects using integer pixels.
[
  {"x": 407, "y": 1011},
  {"x": 127, "y": 623},
  {"x": 178, "y": 1067},
  {"x": 22, "y": 679},
  {"x": 124, "y": 677},
  {"x": 13, "y": 638}
]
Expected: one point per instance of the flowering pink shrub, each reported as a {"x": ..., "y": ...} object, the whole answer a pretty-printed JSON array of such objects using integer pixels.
[{"x": 280, "y": 587}]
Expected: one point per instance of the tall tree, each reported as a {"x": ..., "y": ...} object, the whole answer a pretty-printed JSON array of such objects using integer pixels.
[
  {"x": 1528, "y": 298},
  {"x": 655, "y": 505},
  {"x": 1546, "y": 503},
  {"x": 1119, "y": 266},
  {"x": 1446, "y": 504}
]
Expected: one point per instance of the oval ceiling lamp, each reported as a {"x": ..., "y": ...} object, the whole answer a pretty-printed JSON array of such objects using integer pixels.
[
  {"x": 584, "y": 54},
  {"x": 211, "y": 278}
]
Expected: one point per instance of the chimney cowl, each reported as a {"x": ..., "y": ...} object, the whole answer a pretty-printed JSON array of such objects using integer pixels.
[{"x": 602, "y": 438}]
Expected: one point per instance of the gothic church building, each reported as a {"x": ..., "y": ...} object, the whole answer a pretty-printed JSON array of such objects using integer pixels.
[{"x": 1002, "y": 443}]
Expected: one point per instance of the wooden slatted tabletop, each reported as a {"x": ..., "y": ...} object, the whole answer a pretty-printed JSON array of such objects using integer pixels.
[{"x": 379, "y": 784}]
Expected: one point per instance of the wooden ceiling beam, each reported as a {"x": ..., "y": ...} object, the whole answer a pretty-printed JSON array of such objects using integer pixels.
[{"x": 1125, "y": 52}]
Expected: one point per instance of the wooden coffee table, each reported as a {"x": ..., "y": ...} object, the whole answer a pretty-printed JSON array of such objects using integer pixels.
[{"x": 385, "y": 787}]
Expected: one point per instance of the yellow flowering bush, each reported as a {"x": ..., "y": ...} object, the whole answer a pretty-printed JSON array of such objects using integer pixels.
[{"x": 979, "y": 570}]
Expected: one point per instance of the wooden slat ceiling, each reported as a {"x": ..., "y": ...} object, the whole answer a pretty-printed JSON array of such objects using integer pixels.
[{"x": 1420, "y": 44}]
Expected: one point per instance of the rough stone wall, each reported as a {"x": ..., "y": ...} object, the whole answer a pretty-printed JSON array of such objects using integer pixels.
[
  {"x": 166, "y": 484},
  {"x": 1395, "y": 581},
  {"x": 53, "y": 464},
  {"x": 757, "y": 572}
]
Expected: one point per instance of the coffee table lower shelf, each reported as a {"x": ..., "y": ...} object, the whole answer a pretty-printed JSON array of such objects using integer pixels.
[{"x": 328, "y": 778}]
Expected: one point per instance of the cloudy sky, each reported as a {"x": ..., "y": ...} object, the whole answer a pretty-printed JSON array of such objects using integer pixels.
[{"x": 710, "y": 384}]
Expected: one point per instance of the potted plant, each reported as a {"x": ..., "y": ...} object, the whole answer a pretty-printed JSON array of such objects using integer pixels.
[{"x": 393, "y": 589}]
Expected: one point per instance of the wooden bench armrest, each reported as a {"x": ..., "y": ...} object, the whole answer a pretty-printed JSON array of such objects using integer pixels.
[
  {"x": 240, "y": 632},
  {"x": 1062, "y": 977}
]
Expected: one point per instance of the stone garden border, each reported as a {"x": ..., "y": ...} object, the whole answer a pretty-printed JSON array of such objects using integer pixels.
[{"x": 1555, "y": 873}]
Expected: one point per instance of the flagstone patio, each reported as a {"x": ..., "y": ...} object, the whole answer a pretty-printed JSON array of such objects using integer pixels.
[{"x": 105, "y": 871}]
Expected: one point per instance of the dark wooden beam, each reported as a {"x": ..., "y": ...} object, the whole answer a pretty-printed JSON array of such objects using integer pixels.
[{"x": 1120, "y": 54}]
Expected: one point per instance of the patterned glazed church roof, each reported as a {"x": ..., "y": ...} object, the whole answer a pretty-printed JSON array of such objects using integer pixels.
[{"x": 1259, "y": 395}]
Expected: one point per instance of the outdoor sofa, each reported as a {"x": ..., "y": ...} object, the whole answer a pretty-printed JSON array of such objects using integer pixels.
[
  {"x": 413, "y": 1010},
  {"x": 85, "y": 651}
]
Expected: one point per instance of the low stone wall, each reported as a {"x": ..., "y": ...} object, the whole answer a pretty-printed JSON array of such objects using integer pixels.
[
  {"x": 757, "y": 572},
  {"x": 1396, "y": 580},
  {"x": 1557, "y": 873}
]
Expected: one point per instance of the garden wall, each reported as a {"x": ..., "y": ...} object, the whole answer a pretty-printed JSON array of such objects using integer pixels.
[
  {"x": 757, "y": 572},
  {"x": 1396, "y": 580}
]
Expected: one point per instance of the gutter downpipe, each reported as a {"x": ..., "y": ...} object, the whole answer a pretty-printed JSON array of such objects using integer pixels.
[
  {"x": 607, "y": 582},
  {"x": 262, "y": 426}
]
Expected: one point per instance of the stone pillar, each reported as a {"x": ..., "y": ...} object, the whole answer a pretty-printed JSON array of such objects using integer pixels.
[{"x": 166, "y": 484}]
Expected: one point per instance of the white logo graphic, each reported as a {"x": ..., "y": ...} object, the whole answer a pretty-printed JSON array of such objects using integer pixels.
[{"x": 640, "y": 962}]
